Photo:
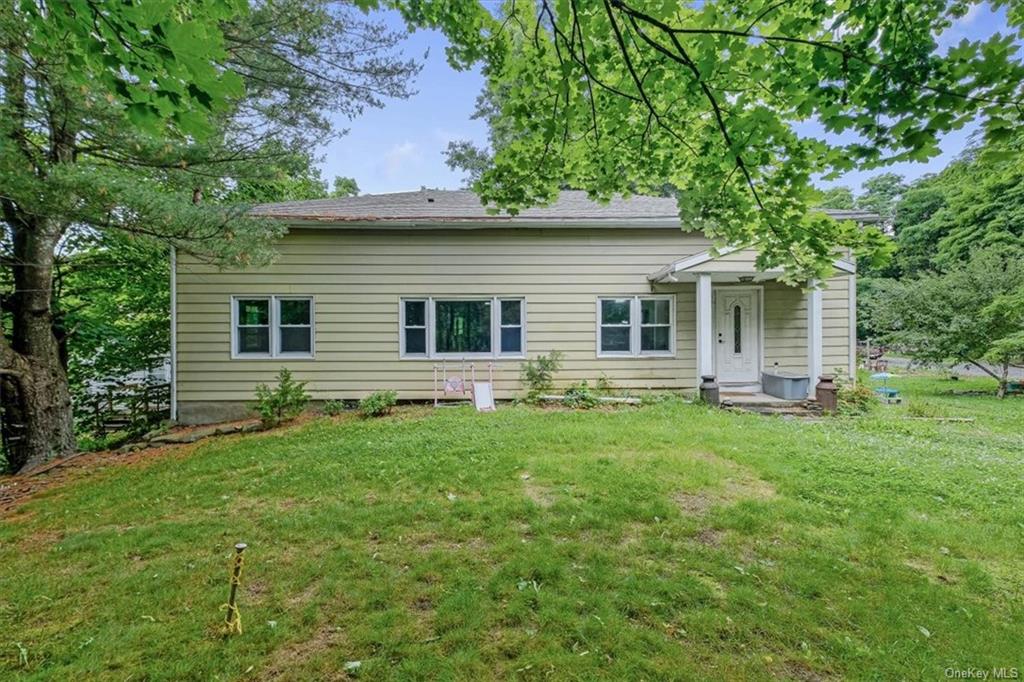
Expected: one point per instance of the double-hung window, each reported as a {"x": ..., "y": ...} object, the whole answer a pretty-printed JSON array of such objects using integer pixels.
[
  {"x": 272, "y": 327},
  {"x": 462, "y": 327},
  {"x": 635, "y": 325},
  {"x": 414, "y": 328},
  {"x": 511, "y": 328}
]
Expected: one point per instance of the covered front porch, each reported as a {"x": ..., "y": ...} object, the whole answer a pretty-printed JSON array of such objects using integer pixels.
[{"x": 758, "y": 336}]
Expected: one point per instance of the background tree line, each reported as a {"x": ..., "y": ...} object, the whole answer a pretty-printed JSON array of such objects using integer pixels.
[{"x": 953, "y": 287}]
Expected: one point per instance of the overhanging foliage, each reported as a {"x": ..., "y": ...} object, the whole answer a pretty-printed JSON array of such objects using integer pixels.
[{"x": 628, "y": 96}]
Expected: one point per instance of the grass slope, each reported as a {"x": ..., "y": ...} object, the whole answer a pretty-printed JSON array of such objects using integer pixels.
[{"x": 667, "y": 542}]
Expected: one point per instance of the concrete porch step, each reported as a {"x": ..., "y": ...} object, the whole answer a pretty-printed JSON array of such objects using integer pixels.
[{"x": 769, "y": 405}]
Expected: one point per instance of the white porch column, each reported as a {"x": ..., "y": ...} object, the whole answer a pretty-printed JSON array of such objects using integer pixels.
[
  {"x": 813, "y": 336},
  {"x": 705, "y": 337}
]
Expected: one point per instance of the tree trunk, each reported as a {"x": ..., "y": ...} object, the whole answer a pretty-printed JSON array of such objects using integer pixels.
[
  {"x": 36, "y": 400},
  {"x": 34, "y": 394},
  {"x": 37, "y": 411},
  {"x": 1004, "y": 380}
]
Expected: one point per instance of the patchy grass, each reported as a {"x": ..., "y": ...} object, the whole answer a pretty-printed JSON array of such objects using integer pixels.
[{"x": 664, "y": 542}]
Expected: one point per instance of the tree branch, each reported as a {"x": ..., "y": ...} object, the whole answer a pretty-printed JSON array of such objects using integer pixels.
[
  {"x": 624, "y": 50},
  {"x": 982, "y": 367},
  {"x": 817, "y": 44}
]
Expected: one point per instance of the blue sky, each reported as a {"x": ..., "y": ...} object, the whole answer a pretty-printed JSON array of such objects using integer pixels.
[{"x": 399, "y": 147}]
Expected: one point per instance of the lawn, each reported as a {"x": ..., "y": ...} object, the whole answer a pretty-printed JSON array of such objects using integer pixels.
[{"x": 664, "y": 542}]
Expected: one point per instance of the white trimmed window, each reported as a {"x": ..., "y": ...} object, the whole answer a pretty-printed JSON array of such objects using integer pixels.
[
  {"x": 629, "y": 326},
  {"x": 272, "y": 327},
  {"x": 462, "y": 327}
]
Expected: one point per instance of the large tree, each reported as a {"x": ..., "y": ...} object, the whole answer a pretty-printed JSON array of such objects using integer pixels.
[
  {"x": 135, "y": 117},
  {"x": 630, "y": 95},
  {"x": 978, "y": 201},
  {"x": 111, "y": 289},
  {"x": 971, "y": 312},
  {"x": 941, "y": 219}
]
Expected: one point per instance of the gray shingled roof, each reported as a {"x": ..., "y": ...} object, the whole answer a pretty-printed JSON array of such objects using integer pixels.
[{"x": 429, "y": 206}]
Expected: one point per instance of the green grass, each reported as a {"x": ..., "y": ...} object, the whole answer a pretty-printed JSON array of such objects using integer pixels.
[{"x": 665, "y": 542}]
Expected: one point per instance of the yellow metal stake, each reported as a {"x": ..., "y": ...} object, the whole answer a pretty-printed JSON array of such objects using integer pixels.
[{"x": 233, "y": 619}]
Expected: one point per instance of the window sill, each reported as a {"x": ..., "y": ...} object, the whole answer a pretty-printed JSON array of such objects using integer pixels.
[
  {"x": 254, "y": 356},
  {"x": 634, "y": 356},
  {"x": 494, "y": 358}
]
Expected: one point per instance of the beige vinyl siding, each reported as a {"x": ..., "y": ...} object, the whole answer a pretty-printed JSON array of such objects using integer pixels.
[
  {"x": 735, "y": 261},
  {"x": 835, "y": 325},
  {"x": 785, "y": 328},
  {"x": 358, "y": 276}
]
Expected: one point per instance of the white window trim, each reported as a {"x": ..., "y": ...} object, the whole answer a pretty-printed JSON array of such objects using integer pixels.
[
  {"x": 235, "y": 354},
  {"x": 496, "y": 343},
  {"x": 278, "y": 326},
  {"x": 496, "y": 326},
  {"x": 634, "y": 328},
  {"x": 426, "y": 328},
  {"x": 671, "y": 326},
  {"x": 632, "y": 315},
  {"x": 275, "y": 327}
]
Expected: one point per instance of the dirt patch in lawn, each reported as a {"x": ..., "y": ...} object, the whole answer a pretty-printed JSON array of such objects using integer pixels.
[
  {"x": 432, "y": 542},
  {"x": 293, "y": 655},
  {"x": 305, "y": 596},
  {"x": 709, "y": 537},
  {"x": 740, "y": 484},
  {"x": 930, "y": 571},
  {"x": 40, "y": 540},
  {"x": 801, "y": 671},
  {"x": 541, "y": 495},
  {"x": 694, "y": 504}
]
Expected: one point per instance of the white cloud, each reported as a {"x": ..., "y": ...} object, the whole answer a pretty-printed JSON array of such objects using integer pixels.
[{"x": 400, "y": 156}]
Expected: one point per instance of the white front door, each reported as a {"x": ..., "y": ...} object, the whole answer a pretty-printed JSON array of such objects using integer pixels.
[{"x": 737, "y": 335}]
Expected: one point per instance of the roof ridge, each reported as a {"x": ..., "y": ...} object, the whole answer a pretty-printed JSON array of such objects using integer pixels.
[{"x": 445, "y": 206}]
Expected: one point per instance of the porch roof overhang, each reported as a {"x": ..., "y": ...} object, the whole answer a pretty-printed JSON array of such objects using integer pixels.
[{"x": 712, "y": 262}]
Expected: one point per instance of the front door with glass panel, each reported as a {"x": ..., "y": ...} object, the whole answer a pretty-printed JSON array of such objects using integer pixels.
[{"x": 737, "y": 335}]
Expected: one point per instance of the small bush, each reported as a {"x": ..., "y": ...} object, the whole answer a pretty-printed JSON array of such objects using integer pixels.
[
  {"x": 282, "y": 403},
  {"x": 604, "y": 385},
  {"x": 854, "y": 398},
  {"x": 580, "y": 397},
  {"x": 88, "y": 442},
  {"x": 332, "y": 408},
  {"x": 538, "y": 375},
  {"x": 378, "y": 404},
  {"x": 93, "y": 443}
]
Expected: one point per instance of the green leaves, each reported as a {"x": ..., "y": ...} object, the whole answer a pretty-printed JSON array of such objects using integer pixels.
[
  {"x": 632, "y": 94},
  {"x": 163, "y": 59},
  {"x": 960, "y": 313}
]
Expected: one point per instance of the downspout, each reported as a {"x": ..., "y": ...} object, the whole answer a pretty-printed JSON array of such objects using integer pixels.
[{"x": 174, "y": 334}]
